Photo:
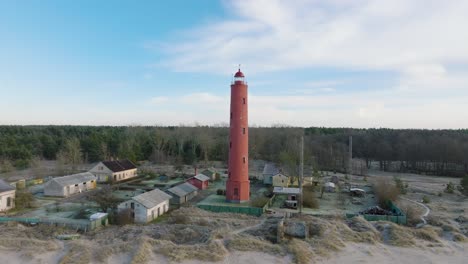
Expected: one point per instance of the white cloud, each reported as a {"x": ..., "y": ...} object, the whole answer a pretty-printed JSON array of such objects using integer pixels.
[
  {"x": 202, "y": 98},
  {"x": 159, "y": 99},
  {"x": 268, "y": 35}
]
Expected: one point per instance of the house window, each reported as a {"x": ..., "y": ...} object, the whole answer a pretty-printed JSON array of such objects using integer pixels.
[
  {"x": 8, "y": 201},
  {"x": 243, "y": 130},
  {"x": 243, "y": 100},
  {"x": 76, "y": 185}
]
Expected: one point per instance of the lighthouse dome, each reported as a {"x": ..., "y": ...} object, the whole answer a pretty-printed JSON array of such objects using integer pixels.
[{"x": 239, "y": 74}]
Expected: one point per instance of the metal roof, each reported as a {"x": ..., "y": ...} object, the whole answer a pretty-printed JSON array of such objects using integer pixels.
[
  {"x": 152, "y": 198},
  {"x": 5, "y": 187},
  {"x": 284, "y": 190},
  {"x": 201, "y": 177},
  {"x": 182, "y": 189},
  {"x": 74, "y": 179},
  {"x": 119, "y": 165},
  {"x": 270, "y": 168}
]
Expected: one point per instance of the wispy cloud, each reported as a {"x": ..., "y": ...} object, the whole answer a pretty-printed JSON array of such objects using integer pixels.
[{"x": 269, "y": 35}]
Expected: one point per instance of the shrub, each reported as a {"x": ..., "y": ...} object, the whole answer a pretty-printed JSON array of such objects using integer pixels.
[
  {"x": 308, "y": 198},
  {"x": 124, "y": 217},
  {"x": 450, "y": 188},
  {"x": 385, "y": 192},
  {"x": 259, "y": 202},
  {"x": 426, "y": 199},
  {"x": 464, "y": 184},
  {"x": 221, "y": 192},
  {"x": 23, "y": 200},
  {"x": 400, "y": 185},
  {"x": 180, "y": 219}
]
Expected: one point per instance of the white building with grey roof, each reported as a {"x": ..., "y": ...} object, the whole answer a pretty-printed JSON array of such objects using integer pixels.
[
  {"x": 147, "y": 206},
  {"x": 182, "y": 193},
  {"x": 7, "y": 196},
  {"x": 69, "y": 185}
]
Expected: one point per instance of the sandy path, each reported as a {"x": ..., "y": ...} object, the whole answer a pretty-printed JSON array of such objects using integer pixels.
[{"x": 423, "y": 217}]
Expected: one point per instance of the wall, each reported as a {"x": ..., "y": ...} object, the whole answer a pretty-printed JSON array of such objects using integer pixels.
[
  {"x": 142, "y": 214},
  {"x": 4, "y": 200},
  {"x": 104, "y": 174},
  {"x": 267, "y": 179},
  {"x": 52, "y": 188},
  {"x": 123, "y": 175},
  {"x": 101, "y": 172}
]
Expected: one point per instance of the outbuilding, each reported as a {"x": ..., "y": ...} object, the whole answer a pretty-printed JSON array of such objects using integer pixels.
[
  {"x": 329, "y": 187},
  {"x": 182, "y": 193},
  {"x": 269, "y": 171},
  {"x": 211, "y": 173},
  {"x": 200, "y": 181},
  {"x": 69, "y": 185},
  {"x": 280, "y": 180},
  {"x": 114, "y": 170},
  {"x": 7, "y": 196},
  {"x": 147, "y": 206}
]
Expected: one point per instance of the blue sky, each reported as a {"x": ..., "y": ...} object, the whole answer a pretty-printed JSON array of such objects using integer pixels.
[{"x": 400, "y": 64}]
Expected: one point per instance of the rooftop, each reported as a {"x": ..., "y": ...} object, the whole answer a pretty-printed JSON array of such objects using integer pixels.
[
  {"x": 182, "y": 189},
  {"x": 270, "y": 168},
  {"x": 284, "y": 190},
  {"x": 119, "y": 165},
  {"x": 152, "y": 198},
  {"x": 74, "y": 179},
  {"x": 201, "y": 177},
  {"x": 4, "y": 186}
]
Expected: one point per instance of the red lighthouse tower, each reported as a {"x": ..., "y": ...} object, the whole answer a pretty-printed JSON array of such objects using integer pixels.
[{"x": 238, "y": 185}]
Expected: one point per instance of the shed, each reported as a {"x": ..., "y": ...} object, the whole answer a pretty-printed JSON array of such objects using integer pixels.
[
  {"x": 280, "y": 180},
  {"x": 114, "y": 170},
  {"x": 291, "y": 192},
  {"x": 200, "y": 181},
  {"x": 329, "y": 187},
  {"x": 69, "y": 185},
  {"x": 7, "y": 196},
  {"x": 147, "y": 206},
  {"x": 211, "y": 173},
  {"x": 182, "y": 193},
  {"x": 269, "y": 171}
]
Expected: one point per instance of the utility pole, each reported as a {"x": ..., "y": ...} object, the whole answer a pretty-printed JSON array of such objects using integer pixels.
[
  {"x": 301, "y": 175},
  {"x": 350, "y": 154}
]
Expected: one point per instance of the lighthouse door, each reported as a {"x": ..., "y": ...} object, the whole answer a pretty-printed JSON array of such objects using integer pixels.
[{"x": 236, "y": 193}]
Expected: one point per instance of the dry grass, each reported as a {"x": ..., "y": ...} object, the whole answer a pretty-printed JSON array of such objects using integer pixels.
[
  {"x": 427, "y": 233},
  {"x": 105, "y": 251},
  {"x": 300, "y": 250},
  {"x": 212, "y": 251},
  {"x": 459, "y": 237},
  {"x": 78, "y": 253},
  {"x": 385, "y": 191},
  {"x": 27, "y": 243},
  {"x": 249, "y": 243},
  {"x": 395, "y": 235},
  {"x": 143, "y": 252}
]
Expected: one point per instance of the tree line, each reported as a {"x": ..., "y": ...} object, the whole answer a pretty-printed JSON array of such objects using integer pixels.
[{"x": 438, "y": 152}]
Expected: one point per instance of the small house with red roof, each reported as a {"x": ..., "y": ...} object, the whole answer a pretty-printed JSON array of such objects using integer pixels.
[{"x": 200, "y": 181}]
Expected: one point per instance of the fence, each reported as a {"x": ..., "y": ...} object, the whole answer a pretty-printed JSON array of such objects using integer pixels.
[
  {"x": 241, "y": 209},
  {"x": 398, "y": 216},
  {"x": 77, "y": 224}
]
